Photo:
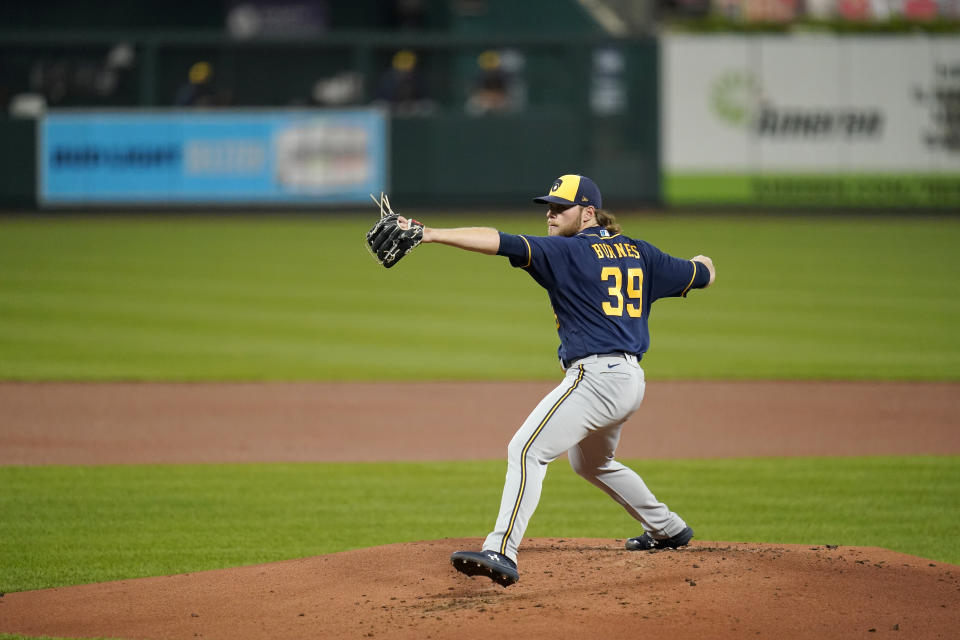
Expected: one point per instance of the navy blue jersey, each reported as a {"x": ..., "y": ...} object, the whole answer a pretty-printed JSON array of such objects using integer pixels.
[{"x": 601, "y": 286}]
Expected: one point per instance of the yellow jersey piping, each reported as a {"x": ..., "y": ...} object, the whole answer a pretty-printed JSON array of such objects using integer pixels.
[
  {"x": 529, "y": 253},
  {"x": 523, "y": 459},
  {"x": 690, "y": 284}
]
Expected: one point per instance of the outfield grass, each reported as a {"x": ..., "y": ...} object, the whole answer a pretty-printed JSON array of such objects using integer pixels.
[
  {"x": 14, "y": 636},
  {"x": 71, "y": 525},
  {"x": 262, "y": 298}
]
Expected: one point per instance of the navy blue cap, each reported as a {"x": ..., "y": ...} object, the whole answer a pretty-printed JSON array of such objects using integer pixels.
[{"x": 573, "y": 189}]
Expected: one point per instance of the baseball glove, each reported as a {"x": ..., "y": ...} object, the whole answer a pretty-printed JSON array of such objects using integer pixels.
[{"x": 387, "y": 240}]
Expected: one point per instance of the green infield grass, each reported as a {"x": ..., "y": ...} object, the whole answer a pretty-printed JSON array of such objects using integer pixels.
[
  {"x": 14, "y": 636},
  {"x": 9, "y": 636},
  {"x": 182, "y": 297},
  {"x": 72, "y": 525}
]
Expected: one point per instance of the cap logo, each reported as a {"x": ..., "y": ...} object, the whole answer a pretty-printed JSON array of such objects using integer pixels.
[
  {"x": 556, "y": 185},
  {"x": 584, "y": 199}
]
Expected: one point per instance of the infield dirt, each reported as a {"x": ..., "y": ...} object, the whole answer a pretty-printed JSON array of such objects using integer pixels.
[{"x": 577, "y": 588}]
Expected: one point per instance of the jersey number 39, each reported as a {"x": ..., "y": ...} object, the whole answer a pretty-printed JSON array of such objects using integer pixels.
[{"x": 634, "y": 291}]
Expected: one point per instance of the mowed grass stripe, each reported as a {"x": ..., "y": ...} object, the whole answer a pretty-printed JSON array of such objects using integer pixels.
[
  {"x": 277, "y": 298},
  {"x": 70, "y": 525}
]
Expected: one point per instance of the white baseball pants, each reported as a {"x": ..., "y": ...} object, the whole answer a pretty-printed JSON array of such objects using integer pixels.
[{"x": 583, "y": 417}]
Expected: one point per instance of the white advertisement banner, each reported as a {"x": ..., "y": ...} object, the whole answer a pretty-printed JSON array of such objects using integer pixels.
[{"x": 821, "y": 113}]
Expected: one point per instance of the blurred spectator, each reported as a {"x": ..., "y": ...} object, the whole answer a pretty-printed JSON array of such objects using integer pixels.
[
  {"x": 489, "y": 93},
  {"x": 199, "y": 89},
  {"x": 855, "y": 10},
  {"x": 771, "y": 10},
  {"x": 402, "y": 88},
  {"x": 920, "y": 9},
  {"x": 497, "y": 88}
]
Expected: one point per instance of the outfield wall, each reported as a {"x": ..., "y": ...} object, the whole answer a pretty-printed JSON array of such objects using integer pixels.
[{"x": 809, "y": 121}]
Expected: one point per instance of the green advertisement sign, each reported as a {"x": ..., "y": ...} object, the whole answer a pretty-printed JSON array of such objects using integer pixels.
[{"x": 824, "y": 190}]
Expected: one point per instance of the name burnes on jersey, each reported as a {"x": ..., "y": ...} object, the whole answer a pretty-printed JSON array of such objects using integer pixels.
[{"x": 615, "y": 250}]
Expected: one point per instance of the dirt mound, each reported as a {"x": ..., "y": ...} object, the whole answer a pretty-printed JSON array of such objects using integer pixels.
[
  {"x": 583, "y": 588},
  {"x": 580, "y": 588}
]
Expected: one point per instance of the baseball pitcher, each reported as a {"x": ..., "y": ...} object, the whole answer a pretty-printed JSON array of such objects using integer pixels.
[{"x": 601, "y": 284}]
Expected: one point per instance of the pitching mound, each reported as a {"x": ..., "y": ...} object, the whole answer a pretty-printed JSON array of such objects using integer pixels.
[{"x": 583, "y": 588}]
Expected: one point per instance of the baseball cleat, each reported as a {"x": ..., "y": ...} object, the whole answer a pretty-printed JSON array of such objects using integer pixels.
[
  {"x": 495, "y": 566},
  {"x": 646, "y": 542}
]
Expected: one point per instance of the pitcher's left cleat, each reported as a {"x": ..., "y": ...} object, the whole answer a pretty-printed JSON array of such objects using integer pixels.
[
  {"x": 495, "y": 566},
  {"x": 646, "y": 542}
]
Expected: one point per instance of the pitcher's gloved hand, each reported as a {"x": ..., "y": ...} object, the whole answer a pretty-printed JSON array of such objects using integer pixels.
[{"x": 392, "y": 237}]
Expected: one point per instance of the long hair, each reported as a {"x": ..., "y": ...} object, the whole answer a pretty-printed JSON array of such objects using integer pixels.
[{"x": 606, "y": 220}]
